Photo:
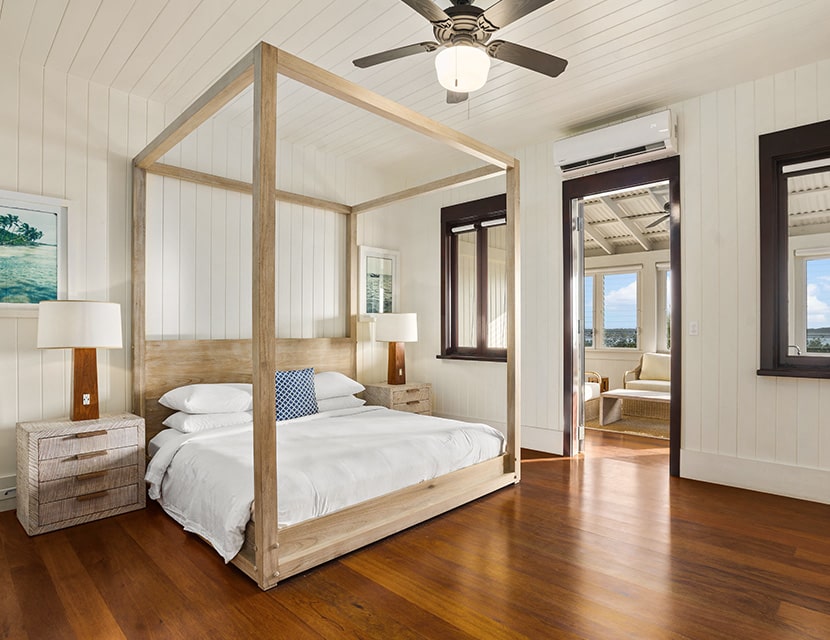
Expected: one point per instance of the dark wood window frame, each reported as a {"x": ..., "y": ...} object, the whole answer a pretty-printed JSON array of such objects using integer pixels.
[
  {"x": 655, "y": 171},
  {"x": 467, "y": 213},
  {"x": 776, "y": 150}
]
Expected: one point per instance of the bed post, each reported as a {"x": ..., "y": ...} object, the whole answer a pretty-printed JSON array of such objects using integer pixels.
[
  {"x": 264, "y": 321},
  {"x": 513, "y": 323},
  {"x": 139, "y": 276}
]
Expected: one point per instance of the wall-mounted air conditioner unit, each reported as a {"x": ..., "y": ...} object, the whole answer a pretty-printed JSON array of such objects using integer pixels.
[{"x": 639, "y": 140}]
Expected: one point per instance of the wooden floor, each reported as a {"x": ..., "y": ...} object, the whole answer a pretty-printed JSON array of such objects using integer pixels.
[{"x": 602, "y": 547}]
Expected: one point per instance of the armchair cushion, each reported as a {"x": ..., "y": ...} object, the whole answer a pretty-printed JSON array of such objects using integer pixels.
[
  {"x": 649, "y": 385},
  {"x": 655, "y": 366}
]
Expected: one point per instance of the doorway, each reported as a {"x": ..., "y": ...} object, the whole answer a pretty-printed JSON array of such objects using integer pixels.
[{"x": 604, "y": 185}]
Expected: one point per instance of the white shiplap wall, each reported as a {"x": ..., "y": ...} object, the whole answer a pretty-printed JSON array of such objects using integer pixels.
[
  {"x": 769, "y": 434},
  {"x": 738, "y": 428},
  {"x": 68, "y": 138}
]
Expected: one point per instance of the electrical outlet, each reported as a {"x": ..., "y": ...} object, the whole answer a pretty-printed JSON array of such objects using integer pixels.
[
  {"x": 693, "y": 328},
  {"x": 87, "y": 400}
]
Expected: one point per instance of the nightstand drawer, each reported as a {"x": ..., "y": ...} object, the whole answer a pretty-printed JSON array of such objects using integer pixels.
[
  {"x": 87, "y": 483},
  {"x": 87, "y": 462},
  {"x": 87, "y": 504},
  {"x": 86, "y": 441},
  {"x": 404, "y": 396},
  {"x": 414, "y": 406}
]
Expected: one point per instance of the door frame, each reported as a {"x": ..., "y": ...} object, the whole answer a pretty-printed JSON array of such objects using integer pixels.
[{"x": 647, "y": 173}]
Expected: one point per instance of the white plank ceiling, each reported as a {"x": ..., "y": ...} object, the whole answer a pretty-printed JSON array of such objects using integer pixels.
[{"x": 626, "y": 57}]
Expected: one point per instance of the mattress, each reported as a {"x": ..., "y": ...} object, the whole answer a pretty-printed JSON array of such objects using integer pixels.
[{"x": 325, "y": 462}]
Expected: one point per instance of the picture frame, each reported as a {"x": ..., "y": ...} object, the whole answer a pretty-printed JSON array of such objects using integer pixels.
[
  {"x": 378, "y": 280},
  {"x": 33, "y": 252}
]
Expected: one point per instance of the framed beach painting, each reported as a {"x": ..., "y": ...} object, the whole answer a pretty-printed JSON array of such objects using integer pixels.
[
  {"x": 32, "y": 252},
  {"x": 378, "y": 280}
]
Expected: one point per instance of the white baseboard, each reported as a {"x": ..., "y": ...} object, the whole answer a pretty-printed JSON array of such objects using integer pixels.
[
  {"x": 545, "y": 440},
  {"x": 766, "y": 477},
  {"x": 7, "y": 503}
]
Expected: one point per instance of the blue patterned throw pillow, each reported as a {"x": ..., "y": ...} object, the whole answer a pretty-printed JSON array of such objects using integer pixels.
[{"x": 294, "y": 393}]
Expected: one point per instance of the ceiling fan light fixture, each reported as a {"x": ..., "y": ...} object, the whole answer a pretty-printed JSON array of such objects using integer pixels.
[{"x": 462, "y": 68}]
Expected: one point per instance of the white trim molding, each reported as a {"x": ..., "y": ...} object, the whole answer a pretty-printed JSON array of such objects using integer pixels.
[{"x": 767, "y": 477}]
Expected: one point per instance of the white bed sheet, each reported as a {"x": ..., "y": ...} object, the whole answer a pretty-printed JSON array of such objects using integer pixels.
[
  {"x": 325, "y": 462},
  {"x": 158, "y": 440}
]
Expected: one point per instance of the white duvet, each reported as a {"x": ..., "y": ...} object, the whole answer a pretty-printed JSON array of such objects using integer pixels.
[{"x": 325, "y": 462}]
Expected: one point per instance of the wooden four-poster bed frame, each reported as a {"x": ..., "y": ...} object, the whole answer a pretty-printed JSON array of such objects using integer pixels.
[{"x": 276, "y": 553}]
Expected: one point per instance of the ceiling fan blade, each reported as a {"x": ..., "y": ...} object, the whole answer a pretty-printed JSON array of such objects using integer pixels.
[
  {"x": 659, "y": 220},
  {"x": 431, "y": 12},
  {"x": 394, "y": 54},
  {"x": 504, "y": 12},
  {"x": 453, "y": 97},
  {"x": 527, "y": 58}
]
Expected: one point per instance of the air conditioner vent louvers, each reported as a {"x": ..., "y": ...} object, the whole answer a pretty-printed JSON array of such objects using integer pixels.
[{"x": 622, "y": 144}]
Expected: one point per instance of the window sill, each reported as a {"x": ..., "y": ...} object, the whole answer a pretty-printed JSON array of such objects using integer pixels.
[{"x": 472, "y": 357}]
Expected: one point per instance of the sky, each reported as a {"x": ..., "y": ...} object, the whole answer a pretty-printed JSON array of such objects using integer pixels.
[
  {"x": 818, "y": 293},
  {"x": 620, "y": 300}
]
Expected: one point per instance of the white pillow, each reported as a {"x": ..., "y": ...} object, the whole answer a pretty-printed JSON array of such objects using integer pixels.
[
  {"x": 341, "y": 402},
  {"x": 192, "y": 422},
  {"x": 210, "y": 398},
  {"x": 331, "y": 384}
]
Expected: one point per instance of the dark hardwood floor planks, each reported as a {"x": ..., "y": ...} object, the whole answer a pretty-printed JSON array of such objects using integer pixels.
[
  {"x": 43, "y": 613},
  {"x": 85, "y": 608},
  {"x": 342, "y": 603},
  {"x": 11, "y": 614},
  {"x": 606, "y": 546}
]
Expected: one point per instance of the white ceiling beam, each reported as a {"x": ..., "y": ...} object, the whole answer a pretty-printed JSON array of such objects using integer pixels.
[
  {"x": 632, "y": 229},
  {"x": 602, "y": 242}
]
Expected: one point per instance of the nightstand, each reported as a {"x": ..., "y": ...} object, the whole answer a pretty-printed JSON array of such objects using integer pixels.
[
  {"x": 415, "y": 397},
  {"x": 74, "y": 472}
]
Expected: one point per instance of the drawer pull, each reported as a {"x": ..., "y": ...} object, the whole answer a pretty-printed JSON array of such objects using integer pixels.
[
  {"x": 414, "y": 402},
  {"x": 91, "y": 434},
  {"x": 413, "y": 390},
  {"x": 90, "y": 454},
  {"x": 91, "y": 475},
  {"x": 92, "y": 496}
]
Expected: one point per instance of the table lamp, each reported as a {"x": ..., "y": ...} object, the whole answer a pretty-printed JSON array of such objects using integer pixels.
[
  {"x": 396, "y": 329},
  {"x": 82, "y": 326}
]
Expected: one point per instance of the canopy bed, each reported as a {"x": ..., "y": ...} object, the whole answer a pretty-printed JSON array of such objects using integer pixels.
[{"x": 272, "y": 553}]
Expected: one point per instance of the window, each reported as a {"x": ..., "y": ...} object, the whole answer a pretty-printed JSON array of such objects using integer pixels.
[
  {"x": 474, "y": 286},
  {"x": 663, "y": 308},
  {"x": 818, "y": 305},
  {"x": 612, "y": 310},
  {"x": 810, "y": 324}
]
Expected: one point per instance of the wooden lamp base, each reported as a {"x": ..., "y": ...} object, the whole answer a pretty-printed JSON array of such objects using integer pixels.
[
  {"x": 396, "y": 370},
  {"x": 84, "y": 385}
]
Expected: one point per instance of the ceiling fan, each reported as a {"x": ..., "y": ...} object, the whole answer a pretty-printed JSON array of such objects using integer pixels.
[
  {"x": 463, "y": 34},
  {"x": 665, "y": 216}
]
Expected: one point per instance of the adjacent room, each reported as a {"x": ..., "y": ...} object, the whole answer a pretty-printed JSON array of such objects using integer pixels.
[{"x": 414, "y": 318}]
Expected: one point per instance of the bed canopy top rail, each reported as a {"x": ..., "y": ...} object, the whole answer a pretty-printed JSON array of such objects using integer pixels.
[{"x": 264, "y": 353}]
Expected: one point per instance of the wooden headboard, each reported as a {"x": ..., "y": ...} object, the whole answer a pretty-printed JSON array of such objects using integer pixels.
[{"x": 172, "y": 363}]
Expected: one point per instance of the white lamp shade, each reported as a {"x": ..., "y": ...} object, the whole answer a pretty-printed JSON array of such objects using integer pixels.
[
  {"x": 396, "y": 327},
  {"x": 78, "y": 324},
  {"x": 462, "y": 68}
]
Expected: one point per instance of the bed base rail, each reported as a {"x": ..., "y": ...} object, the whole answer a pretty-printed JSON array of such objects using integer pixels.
[{"x": 308, "y": 544}]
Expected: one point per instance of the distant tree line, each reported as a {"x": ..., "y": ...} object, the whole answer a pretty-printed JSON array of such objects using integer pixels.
[
  {"x": 818, "y": 340},
  {"x": 614, "y": 338},
  {"x": 16, "y": 233}
]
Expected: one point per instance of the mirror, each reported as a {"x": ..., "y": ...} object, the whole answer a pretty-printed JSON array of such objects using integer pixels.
[{"x": 795, "y": 251}]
